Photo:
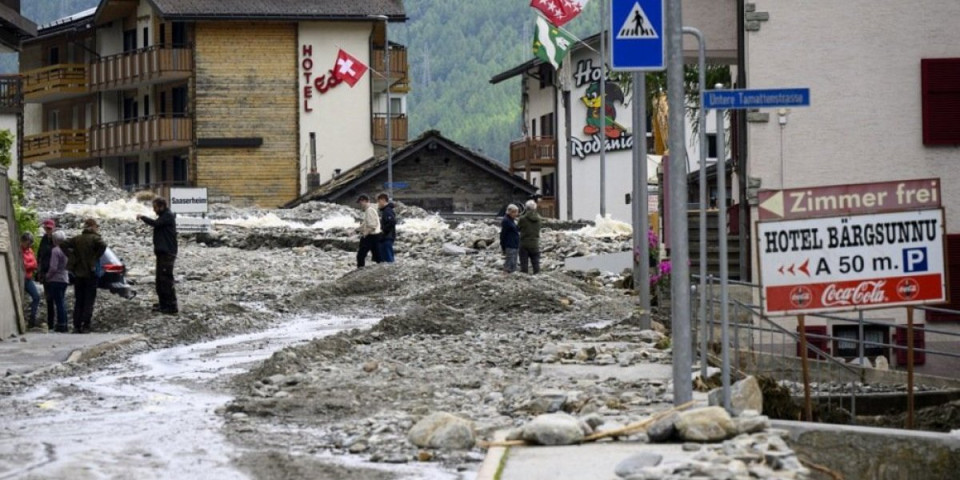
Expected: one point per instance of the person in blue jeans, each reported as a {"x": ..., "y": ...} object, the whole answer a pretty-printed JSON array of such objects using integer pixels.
[
  {"x": 510, "y": 238},
  {"x": 388, "y": 227},
  {"x": 56, "y": 283},
  {"x": 29, "y": 267}
]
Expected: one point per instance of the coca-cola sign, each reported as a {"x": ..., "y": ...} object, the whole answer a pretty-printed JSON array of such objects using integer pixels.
[{"x": 852, "y": 262}]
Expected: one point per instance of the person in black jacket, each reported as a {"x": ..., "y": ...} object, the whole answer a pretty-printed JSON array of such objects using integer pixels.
[
  {"x": 43, "y": 257},
  {"x": 165, "y": 248},
  {"x": 510, "y": 238},
  {"x": 388, "y": 227}
]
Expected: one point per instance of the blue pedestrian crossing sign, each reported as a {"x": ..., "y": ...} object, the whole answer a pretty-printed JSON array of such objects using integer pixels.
[{"x": 637, "y": 35}]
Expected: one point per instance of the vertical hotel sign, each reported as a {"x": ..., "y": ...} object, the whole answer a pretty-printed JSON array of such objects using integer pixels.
[
  {"x": 852, "y": 247},
  {"x": 311, "y": 82}
]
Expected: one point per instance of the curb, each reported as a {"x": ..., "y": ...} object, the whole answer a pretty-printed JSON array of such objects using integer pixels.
[{"x": 93, "y": 351}]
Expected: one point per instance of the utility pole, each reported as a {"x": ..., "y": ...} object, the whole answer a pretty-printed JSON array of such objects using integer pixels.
[{"x": 679, "y": 248}]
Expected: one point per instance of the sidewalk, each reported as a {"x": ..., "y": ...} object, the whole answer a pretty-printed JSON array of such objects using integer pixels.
[{"x": 34, "y": 351}]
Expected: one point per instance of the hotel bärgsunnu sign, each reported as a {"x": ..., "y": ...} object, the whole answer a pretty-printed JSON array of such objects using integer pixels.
[{"x": 851, "y": 247}]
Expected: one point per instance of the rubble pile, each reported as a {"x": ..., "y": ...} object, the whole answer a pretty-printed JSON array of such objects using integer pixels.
[{"x": 51, "y": 189}]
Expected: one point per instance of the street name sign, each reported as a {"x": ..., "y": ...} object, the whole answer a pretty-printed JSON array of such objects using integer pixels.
[
  {"x": 756, "y": 98},
  {"x": 637, "y": 35},
  {"x": 852, "y": 262},
  {"x": 188, "y": 200},
  {"x": 854, "y": 199}
]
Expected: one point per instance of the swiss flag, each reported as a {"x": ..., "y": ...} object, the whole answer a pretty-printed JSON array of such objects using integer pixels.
[
  {"x": 348, "y": 68},
  {"x": 559, "y": 12}
]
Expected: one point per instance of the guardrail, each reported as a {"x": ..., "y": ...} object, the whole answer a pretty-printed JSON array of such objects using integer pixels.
[{"x": 761, "y": 344}]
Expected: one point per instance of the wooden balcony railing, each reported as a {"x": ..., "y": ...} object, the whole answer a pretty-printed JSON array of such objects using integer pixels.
[
  {"x": 398, "y": 129},
  {"x": 11, "y": 94},
  {"x": 147, "y": 134},
  {"x": 55, "y": 145},
  {"x": 547, "y": 206},
  {"x": 55, "y": 82},
  {"x": 397, "y": 73},
  {"x": 533, "y": 153},
  {"x": 146, "y": 66}
]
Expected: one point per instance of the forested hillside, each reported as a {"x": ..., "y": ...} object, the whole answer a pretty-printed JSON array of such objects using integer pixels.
[{"x": 454, "y": 48}]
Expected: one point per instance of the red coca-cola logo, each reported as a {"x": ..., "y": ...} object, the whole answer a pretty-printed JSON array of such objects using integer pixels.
[
  {"x": 801, "y": 297},
  {"x": 908, "y": 289},
  {"x": 865, "y": 293}
]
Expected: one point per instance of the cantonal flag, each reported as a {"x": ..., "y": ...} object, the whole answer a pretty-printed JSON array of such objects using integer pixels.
[
  {"x": 559, "y": 11},
  {"x": 550, "y": 44},
  {"x": 348, "y": 68}
]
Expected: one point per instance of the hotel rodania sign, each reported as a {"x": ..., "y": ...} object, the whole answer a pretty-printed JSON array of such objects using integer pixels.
[{"x": 851, "y": 247}]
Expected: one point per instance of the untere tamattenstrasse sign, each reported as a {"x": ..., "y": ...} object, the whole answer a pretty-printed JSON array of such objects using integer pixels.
[{"x": 852, "y": 262}]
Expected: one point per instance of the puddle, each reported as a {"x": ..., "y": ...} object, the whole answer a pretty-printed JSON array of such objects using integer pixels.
[{"x": 150, "y": 417}]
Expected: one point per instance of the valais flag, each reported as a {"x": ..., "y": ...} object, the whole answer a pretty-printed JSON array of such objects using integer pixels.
[
  {"x": 348, "y": 69},
  {"x": 559, "y": 12}
]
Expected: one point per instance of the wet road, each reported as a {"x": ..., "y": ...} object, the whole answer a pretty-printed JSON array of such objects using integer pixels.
[{"x": 151, "y": 416}]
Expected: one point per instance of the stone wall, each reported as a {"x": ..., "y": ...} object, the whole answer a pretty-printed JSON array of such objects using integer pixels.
[{"x": 440, "y": 181}]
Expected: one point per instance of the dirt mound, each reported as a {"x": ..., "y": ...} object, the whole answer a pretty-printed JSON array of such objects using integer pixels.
[
  {"x": 51, "y": 189},
  {"x": 434, "y": 319}
]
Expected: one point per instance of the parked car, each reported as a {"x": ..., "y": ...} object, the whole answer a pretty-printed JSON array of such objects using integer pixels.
[{"x": 113, "y": 277}]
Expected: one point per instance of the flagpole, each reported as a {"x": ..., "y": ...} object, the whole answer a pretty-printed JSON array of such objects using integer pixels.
[{"x": 603, "y": 110}]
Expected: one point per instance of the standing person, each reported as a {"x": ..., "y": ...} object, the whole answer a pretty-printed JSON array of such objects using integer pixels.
[
  {"x": 86, "y": 250},
  {"x": 529, "y": 226},
  {"x": 165, "y": 248},
  {"x": 369, "y": 232},
  {"x": 56, "y": 283},
  {"x": 510, "y": 238},
  {"x": 388, "y": 227},
  {"x": 29, "y": 267},
  {"x": 43, "y": 257}
]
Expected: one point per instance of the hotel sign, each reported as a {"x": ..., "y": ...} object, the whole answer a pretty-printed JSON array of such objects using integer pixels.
[{"x": 321, "y": 84}]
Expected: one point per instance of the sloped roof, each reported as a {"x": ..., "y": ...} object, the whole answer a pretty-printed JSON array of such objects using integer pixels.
[
  {"x": 347, "y": 181},
  {"x": 279, "y": 9},
  {"x": 535, "y": 62}
]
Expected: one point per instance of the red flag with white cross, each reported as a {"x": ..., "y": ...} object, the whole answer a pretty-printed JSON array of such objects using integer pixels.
[{"x": 348, "y": 68}]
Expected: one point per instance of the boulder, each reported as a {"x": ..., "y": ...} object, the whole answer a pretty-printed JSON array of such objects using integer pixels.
[
  {"x": 443, "y": 430},
  {"x": 664, "y": 429},
  {"x": 708, "y": 424},
  {"x": 637, "y": 463},
  {"x": 744, "y": 395},
  {"x": 553, "y": 429}
]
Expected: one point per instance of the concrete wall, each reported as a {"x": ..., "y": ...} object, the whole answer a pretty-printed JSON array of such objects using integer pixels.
[{"x": 875, "y": 453}]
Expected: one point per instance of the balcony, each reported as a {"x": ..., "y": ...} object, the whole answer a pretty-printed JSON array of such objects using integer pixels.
[
  {"x": 398, "y": 129},
  {"x": 532, "y": 153},
  {"x": 55, "y": 145},
  {"x": 11, "y": 94},
  {"x": 56, "y": 82},
  {"x": 141, "y": 135},
  {"x": 397, "y": 73},
  {"x": 147, "y": 66}
]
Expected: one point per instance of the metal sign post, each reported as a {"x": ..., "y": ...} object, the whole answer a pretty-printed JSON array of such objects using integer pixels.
[
  {"x": 637, "y": 46},
  {"x": 722, "y": 231}
]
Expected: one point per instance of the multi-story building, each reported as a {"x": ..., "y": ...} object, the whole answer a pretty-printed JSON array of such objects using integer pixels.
[
  {"x": 560, "y": 146},
  {"x": 232, "y": 95}
]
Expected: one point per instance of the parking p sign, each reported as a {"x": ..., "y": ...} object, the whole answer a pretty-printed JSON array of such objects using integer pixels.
[{"x": 637, "y": 35}]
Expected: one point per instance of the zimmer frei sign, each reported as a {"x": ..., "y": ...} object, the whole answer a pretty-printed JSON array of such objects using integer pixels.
[{"x": 891, "y": 257}]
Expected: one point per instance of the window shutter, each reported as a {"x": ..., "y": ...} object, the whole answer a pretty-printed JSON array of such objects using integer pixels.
[
  {"x": 940, "y": 85},
  {"x": 952, "y": 256}
]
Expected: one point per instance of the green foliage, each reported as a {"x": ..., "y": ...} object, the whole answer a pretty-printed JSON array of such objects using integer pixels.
[{"x": 27, "y": 219}]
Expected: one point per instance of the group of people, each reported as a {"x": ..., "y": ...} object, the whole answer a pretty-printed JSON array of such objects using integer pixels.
[
  {"x": 59, "y": 258},
  {"x": 520, "y": 236},
  {"x": 378, "y": 230}
]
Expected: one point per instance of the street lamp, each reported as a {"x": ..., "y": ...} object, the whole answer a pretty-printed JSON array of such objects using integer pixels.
[{"x": 386, "y": 75}]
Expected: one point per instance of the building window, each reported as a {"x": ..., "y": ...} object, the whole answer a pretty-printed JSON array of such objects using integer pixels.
[
  {"x": 180, "y": 170},
  {"x": 546, "y": 125},
  {"x": 712, "y": 145},
  {"x": 396, "y": 106},
  {"x": 53, "y": 120},
  {"x": 53, "y": 56},
  {"x": 129, "y": 108},
  {"x": 179, "y": 34},
  {"x": 131, "y": 175},
  {"x": 179, "y": 101},
  {"x": 146, "y": 36},
  {"x": 546, "y": 75},
  {"x": 874, "y": 337},
  {"x": 940, "y": 85},
  {"x": 146, "y": 173},
  {"x": 129, "y": 40},
  {"x": 146, "y": 105},
  {"x": 953, "y": 287}
]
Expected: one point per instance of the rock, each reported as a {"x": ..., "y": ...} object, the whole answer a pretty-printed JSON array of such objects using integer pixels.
[
  {"x": 443, "y": 430},
  {"x": 664, "y": 429},
  {"x": 371, "y": 366},
  {"x": 424, "y": 456},
  {"x": 744, "y": 395},
  {"x": 882, "y": 364},
  {"x": 691, "y": 447},
  {"x": 547, "y": 401},
  {"x": 553, "y": 429},
  {"x": 456, "y": 250},
  {"x": 708, "y": 424},
  {"x": 358, "y": 447},
  {"x": 750, "y": 421},
  {"x": 637, "y": 462}
]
